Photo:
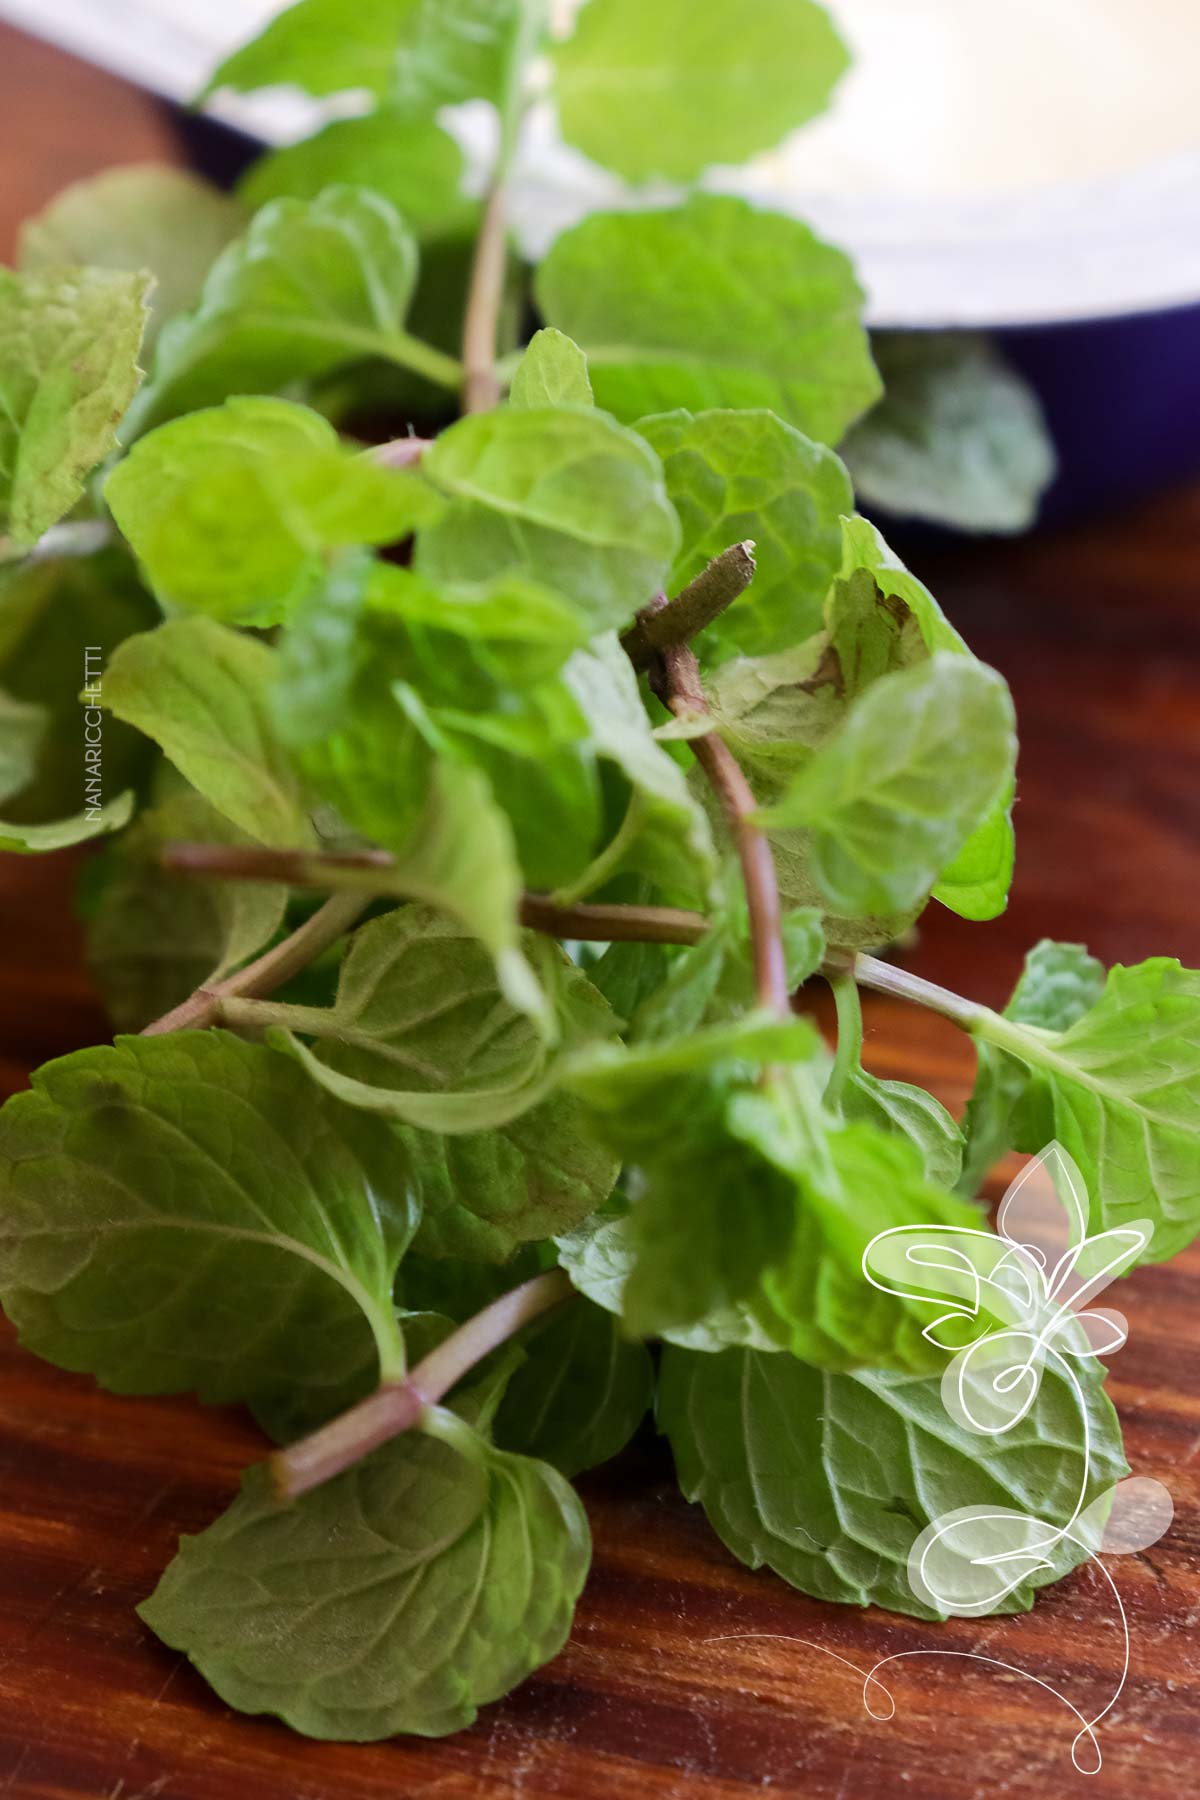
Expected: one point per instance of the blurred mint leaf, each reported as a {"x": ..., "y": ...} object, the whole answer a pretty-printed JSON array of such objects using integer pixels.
[
  {"x": 552, "y": 372},
  {"x": 146, "y": 216},
  {"x": 860, "y": 1464},
  {"x": 399, "y": 1597},
  {"x": 670, "y": 89},
  {"x": 69, "y": 343},
  {"x": 712, "y": 303},
  {"x": 187, "y": 1212},
  {"x": 155, "y": 937},
  {"x": 959, "y": 437},
  {"x": 565, "y": 497},
  {"x": 61, "y": 834},
  {"x": 1058, "y": 984},
  {"x": 22, "y": 733},
  {"x": 581, "y": 1392},
  {"x": 200, "y": 690},
  {"x": 232, "y": 511},
  {"x": 920, "y": 760},
  {"x": 737, "y": 475}
]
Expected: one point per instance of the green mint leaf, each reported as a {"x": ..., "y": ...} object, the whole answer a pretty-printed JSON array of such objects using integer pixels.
[
  {"x": 232, "y": 511},
  {"x": 61, "y": 834},
  {"x": 565, "y": 497},
  {"x": 155, "y": 937},
  {"x": 552, "y": 372},
  {"x": 200, "y": 690},
  {"x": 420, "y": 1032},
  {"x": 411, "y": 161},
  {"x": 418, "y": 54},
  {"x": 664, "y": 834},
  {"x": 1058, "y": 984},
  {"x": 22, "y": 733},
  {"x": 858, "y": 1465},
  {"x": 310, "y": 285},
  {"x": 400, "y": 1597},
  {"x": 188, "y": 1212},
  {"x": 145, "y": 216},
  {"x": 61, "y": 617},
  {"x": 959, "y": 437},
  {"x": 733, "y": 476},
  {"x": 913, "y": 1113},
  {"x": 921, "y": 759},
  {"x": 712, "y": 303},
  {"x": 670, "y": 89},
  {"x": 69, "y": 342},
  {"x": 713, "y": 980},
  {"x": 580, "y": 1394},
  {"x": 1116, "y": 1090}
]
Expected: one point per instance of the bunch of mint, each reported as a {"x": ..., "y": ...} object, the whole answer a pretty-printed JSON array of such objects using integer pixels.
[{"x": 475, "y": 806}]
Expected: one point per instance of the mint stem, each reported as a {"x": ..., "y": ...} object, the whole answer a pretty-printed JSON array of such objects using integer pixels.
[
  {"x": 701, "y": 601},
  {"x": 397, "y": 1406},
  {"x": 849, "y": 1038},
  {"x": 271, "y": 970},
  {"x": 481, "y": 383},
  {"x": 365, "y": 872},
  {"x": 677, "y": 682},
  {"x": 886, "y": 978}
]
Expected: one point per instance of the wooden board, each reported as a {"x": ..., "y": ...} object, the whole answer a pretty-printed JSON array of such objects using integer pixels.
[{"x": 661, "y": 1694}]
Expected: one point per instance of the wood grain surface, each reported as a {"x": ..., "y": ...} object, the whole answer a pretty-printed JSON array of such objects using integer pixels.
[{"x": 663, "y": 1692}]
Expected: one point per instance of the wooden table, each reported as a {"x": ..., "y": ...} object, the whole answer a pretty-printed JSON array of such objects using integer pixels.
[{"x": 1098, "y": 631}]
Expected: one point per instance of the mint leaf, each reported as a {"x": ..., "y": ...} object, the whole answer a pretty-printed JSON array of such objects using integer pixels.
[
  {"x": 712, "y": 304},
  {"x": 311, "y": 284},
  {"x": 1058, "y": 984},
  {"x": 664, "y": 834},
  {"x": 145, "y": 216},
  {"x": 416, "y": 53},
  {"x": 920, "y": 760},
  {"x": 420, "y": 1032},
  {"x": 959, "y": 437},
  {"x": 913, "y": 1113},
  {"x": 188, "y": 1213},
  {"x": 733, "y": 476},
  {"x": 200, "y": 690},
  {"x": 69, "y": 342},
  {"x": 232, "y": 511},
  {"x": 669, "y": 90},
  {"x": 562, "y": 496},
  {"x": 552, "y": 372},
  {"x": 1117, "y": 1091},
  {"x": 415, "y": 165},
  {"x": 155, "y": 937},
  {"x": 22, "y": 731},
  {"x": 581, "y": 1392},
  {"x": 828, "y": 1479},
  {"x": 469, "y": 1562},
  {"x": 61, "y": 834},
  {"x": 713, "y": 980}
]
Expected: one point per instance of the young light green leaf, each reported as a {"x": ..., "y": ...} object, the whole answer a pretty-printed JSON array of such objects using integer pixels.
[
  {"x": 563, "y": 496},
  {"x": 828, "y": 1479},
  {"x": 410, "y": 160},
  {"x": 232, "y": 511},
  {"x": 664, "y": 834},
  {"x": 141, "y": 216},
  {"x": 1058, "y": 984},
  {"x": 737, "y": 475},
  {"x": 69, "y": 342},
  {"x": 200, "y": 690},
  {"x": 187, "y": 1212},
  {"x": 914, "y": 1113},
  {"x": 155, "y": 937},
  {"x": 712, "y": 304},
  {"x": 61, "y": 834},
  {"x": 959, "y": 437},
  {"x": 311, "y": 284},
  {"x": 22, "y": 733},
  {"x": 417, "y": 54},
  {"x": 552, "y": 372},
  {"x": 421, "y": 1033},
  {"x": 1118, "y": 1090},
  {"x": 922, "y": 758},
  {"x": 581, "y": 1392},
  {"x": 399, "y": 1597},
  {"x": 670, "y": 89}
]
